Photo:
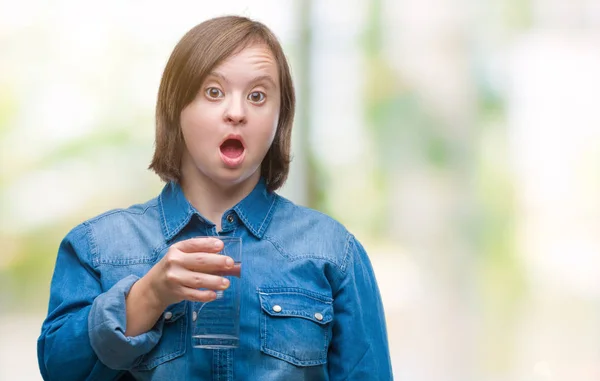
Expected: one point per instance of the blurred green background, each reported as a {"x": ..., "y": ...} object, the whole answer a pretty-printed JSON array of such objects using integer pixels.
[{"x": 460, "y": 142}]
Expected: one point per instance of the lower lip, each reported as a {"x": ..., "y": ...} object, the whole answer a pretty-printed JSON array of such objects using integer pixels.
[{"x": 233, "y": 162}]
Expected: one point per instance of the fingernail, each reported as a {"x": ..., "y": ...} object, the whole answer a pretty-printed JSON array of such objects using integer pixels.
[
  {"x": 217, "y": 243},
  {"x": 229, "y": 263},
  {"x": 225, "y": 282}
]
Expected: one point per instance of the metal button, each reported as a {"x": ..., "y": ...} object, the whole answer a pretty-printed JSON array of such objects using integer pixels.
[
  {"x": 230, "y": 218},
  {"x": 277, "y": 308},
  {"x": 318, "y": 316},
  {"x": 168, "y": 315},
  {"x": 194, "y": 316}
]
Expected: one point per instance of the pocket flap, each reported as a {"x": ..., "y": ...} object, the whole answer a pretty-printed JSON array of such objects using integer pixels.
[
  {"x": 172, "y": 342},
  {"x": 174, "y": 312},
  {"x": 296, "y": 302}
]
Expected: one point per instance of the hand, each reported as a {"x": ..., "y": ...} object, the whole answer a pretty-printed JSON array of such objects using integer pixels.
[{"x": 187, "y": 266}]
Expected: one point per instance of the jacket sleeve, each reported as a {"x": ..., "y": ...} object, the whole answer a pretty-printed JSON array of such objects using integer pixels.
[
  {"x": 359, "y": 346},
  {"x": 82, "y": 336}
]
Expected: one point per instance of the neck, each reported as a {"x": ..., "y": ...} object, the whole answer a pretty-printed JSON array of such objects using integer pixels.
[{"x": 211, "y": 199}]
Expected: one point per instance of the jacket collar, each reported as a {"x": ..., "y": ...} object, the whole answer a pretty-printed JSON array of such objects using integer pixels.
[{"x": 255, "y": 210}]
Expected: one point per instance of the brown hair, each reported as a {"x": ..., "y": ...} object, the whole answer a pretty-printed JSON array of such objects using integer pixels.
[{"x": 197, "y": 53}]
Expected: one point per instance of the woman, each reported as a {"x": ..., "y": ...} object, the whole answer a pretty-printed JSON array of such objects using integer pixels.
[{"x": 126, "y": 283}]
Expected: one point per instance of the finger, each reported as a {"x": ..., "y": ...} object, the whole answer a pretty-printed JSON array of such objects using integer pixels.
[
  {"x": 194, "y": 295},
  {"x": 204, "y": 244},
  {"x": 193, "y": 279},
  {"x": 207, "y": 263},
  {"x": 236, "y": 270}
]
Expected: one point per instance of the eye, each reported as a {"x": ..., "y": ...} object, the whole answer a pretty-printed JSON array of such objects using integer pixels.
[
  {"x": 256, "y": 97},
  {"x": 213, "y": 93}
]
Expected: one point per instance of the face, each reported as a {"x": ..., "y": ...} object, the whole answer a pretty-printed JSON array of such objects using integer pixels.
[{"x": 230, "y": 125}]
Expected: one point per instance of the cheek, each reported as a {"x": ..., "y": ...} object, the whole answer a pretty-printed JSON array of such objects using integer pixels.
[
  {"x": 273, "y": 133},
  {"x": 270, "y": 122},
  {"x": 196, "y": 122},
  {"x": 187, "y": 121},
  {"x": 192, "y": 118},
  {"x": 267, "y": 134}
]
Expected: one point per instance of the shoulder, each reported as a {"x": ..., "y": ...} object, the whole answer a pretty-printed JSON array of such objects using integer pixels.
[
  {"x": 302, "y": 232},
  {"x": 118, "y": 226},
  {"x": 134, "y": 215},
  {"x": 303, "y": 217}
]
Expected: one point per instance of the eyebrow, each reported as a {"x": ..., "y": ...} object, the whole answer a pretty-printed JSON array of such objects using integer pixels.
[{"x": 266, "y": 78}]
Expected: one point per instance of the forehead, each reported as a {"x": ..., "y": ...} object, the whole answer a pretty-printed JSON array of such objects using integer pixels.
[{"x": 254, "y": 59}]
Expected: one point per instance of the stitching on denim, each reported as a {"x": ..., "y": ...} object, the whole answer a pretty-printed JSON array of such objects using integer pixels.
[
  {"x": 229, "y": 365},
  {"x": 156, "y": 251},
  {"x": 127, "y": 261},
  {"x": 94, "y": 248},
  {"x": 178, "y": 228},
  {"x": 291, "y": 257},
  {"x": 106, "y": 322},
  {"x": 177, "y": 312},
  {"x": 329, "y": 334},
  {"x": 267, "y": 217},
  {"x": 223, "y": 363},
  {"x": 263, "y": 333},
  {"x": 183, "y": 324},
  {"x": 93, "y": 245},
  {"x": 247, "y": 222},
  {"x": 179, "y": 351},
  {"x": 215, "y": 362},
  {"x": 134, "y": 261},
  {"x": 162, "y": 208},
  {"x": 292, "y": 359},
  {"x": 327, "y": 318},
  {"x": 296, "y": 291},
  {"x": 349, "y": 241},
  {"x": 160, "y": 360},
  {"x": 277, "y": 247},
  {"x": 233, "y": 231},
  {"x": 148, "y": 205}
]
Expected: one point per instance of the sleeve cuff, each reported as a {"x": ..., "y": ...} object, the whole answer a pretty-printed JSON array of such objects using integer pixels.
[{"x": 107, "y": 323}]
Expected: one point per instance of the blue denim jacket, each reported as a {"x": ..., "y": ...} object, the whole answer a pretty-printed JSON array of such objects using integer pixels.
[{"x": 294, "y": 257}]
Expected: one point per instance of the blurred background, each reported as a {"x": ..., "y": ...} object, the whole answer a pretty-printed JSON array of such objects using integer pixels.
[{"x": 458, "y": 140}]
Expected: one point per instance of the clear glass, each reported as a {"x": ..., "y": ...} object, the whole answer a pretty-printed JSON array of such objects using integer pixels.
[{"x": 217, "y": 323}]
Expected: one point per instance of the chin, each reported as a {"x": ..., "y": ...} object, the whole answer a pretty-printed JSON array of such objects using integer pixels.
[{"x": 229, "y": 177}]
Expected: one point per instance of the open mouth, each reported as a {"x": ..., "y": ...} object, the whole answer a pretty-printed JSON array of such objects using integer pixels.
[
  {"x": 232, "y": 148},
  {"x": 232, "y": 151}
]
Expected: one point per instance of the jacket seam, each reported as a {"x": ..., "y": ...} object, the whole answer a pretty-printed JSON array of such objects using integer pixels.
[
  {"x": 358, "y": 363},
  {"x": 293, "y": 258},
  {"x": 164, "y": 218},
  {"x": 322, "y": 298},
  {"x": 122, "y": 210},
  {"x": 349, "y": 242},
  {"x": 93, "y": 245}
]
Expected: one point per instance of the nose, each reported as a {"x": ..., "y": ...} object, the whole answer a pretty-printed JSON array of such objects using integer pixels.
[{"x": 235, "y": 112}]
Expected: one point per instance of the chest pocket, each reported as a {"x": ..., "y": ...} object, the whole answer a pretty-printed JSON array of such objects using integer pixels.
[
  {"x": 172, "y": 343},
  {"x": 295, "y": 325}
]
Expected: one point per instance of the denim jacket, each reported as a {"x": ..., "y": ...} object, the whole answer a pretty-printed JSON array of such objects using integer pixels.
[{"x": 294, "y": 257}]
